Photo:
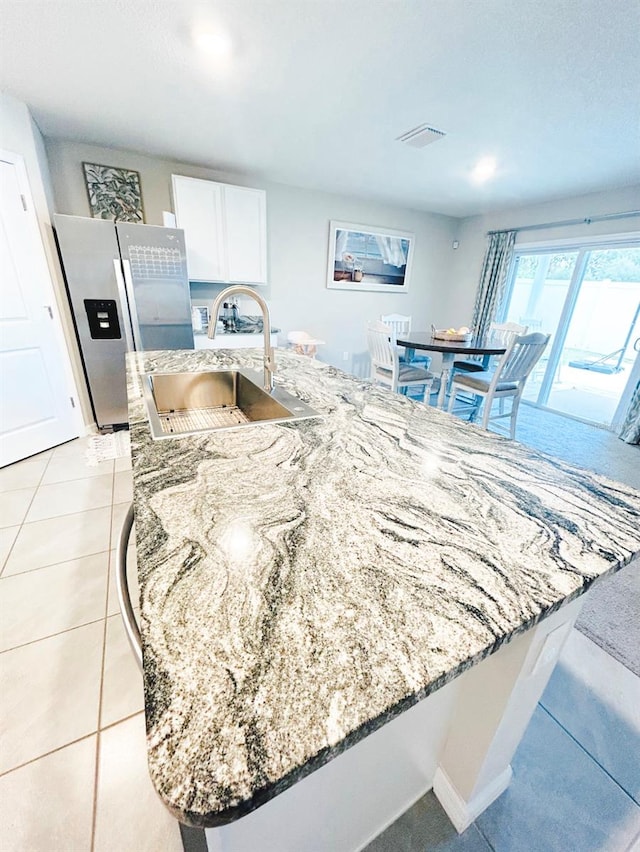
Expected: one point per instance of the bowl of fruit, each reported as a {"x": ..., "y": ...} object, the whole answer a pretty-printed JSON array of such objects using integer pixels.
[{"x": 456, "y": 335}]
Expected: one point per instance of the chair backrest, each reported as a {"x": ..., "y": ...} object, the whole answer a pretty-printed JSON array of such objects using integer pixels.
[
  {"x": 398, "y": 322},
  {"x": 381, "y": 349},
  {"x": 521, "y": 357},
  {"x": 504, "y": 331}
]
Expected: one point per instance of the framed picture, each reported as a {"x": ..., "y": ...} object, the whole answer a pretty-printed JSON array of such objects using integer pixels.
[
  {"x": 114, "y": 193},
  {"x": 366, "y": 258}
]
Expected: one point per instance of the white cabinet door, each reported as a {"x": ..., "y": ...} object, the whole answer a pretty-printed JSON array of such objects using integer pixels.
[
  {"x": 225, "y": 230},
  {"x": 198, "y": 208},
  {"x": 245, "y": 232}
]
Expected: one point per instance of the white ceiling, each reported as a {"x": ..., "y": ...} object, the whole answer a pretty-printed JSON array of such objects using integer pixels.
[{"x": 316, "y": 90}]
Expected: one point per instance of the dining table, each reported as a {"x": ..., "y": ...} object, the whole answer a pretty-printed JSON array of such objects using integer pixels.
[{"x": 424, "y": 340}]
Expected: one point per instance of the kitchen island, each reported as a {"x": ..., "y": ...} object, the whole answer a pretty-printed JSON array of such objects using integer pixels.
[{"x": 384, "y": 579}]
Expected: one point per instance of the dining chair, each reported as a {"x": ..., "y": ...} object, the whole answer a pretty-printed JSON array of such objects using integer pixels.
[
  {"x": 386, "y": 368},
  {"x": 506, "y": 381},
  {"x": 501, "y": 332},
  {"x": 401, "y": 325}
]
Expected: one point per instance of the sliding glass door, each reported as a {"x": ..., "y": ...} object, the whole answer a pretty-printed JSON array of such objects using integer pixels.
[{"x": 588, "y": 299}]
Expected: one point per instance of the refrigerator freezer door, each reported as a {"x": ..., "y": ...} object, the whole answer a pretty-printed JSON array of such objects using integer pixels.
[
  {"x": 89, "y": 249},
  {"x": 155, "y": 269}
]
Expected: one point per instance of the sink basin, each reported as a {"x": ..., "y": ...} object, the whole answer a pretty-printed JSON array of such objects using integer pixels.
[{"x": 190, "y": 403}]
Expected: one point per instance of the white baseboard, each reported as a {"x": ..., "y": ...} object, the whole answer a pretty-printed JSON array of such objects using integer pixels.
[{"x": 460, "y": 812}]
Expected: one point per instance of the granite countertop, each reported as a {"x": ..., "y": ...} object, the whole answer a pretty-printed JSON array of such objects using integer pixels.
[{"x": 302, "y": 584}]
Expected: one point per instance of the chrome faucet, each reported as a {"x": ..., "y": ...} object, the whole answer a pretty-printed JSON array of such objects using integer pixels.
[{"x": 243, "y": 290}]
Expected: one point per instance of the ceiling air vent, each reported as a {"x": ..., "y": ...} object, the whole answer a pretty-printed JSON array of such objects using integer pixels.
[{"x": 421, "y": 136}]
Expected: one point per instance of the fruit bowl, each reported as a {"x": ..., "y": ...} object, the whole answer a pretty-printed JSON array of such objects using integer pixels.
[{"x": 460, "y": 335}]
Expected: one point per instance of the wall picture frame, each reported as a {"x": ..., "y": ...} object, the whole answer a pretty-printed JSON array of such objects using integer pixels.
[
  {"x": 114, "y": 193},
  {"x": 200, "y": 315},
  {"x": 368, "y": 258}
]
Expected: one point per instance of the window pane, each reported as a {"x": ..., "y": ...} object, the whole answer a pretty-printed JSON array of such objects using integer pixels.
[
  {"x": 537, "y": 297},
  {"x": 598, "y": 352}
]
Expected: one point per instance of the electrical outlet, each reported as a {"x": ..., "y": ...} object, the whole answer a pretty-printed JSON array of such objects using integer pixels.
[{"x": 345, "y": 356}]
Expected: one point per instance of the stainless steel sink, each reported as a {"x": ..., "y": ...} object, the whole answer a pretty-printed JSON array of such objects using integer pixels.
[{"x": 189, "y": 403}]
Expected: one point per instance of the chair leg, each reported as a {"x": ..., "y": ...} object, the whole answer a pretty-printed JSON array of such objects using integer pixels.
[
  {"x": 452, "y": 398},
  {"x": 477, "y": 405},
  {"x": 514, "y": 415},
  {"x": 486, "y": 414}
]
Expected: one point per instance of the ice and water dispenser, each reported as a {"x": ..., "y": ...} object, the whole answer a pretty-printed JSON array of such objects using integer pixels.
[{"x": 102, "y": 315}]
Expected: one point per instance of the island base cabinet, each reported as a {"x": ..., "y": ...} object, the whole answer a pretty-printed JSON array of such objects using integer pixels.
[
  {"x": 494, "y": 706},
  {"x": 343, "y": 805},
  {"x": 458, "y": 741}
]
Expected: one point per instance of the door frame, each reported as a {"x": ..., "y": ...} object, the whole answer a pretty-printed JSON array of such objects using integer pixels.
[
  {"x": 48, "y": 282},
  {"x": 583, "y": 246}
]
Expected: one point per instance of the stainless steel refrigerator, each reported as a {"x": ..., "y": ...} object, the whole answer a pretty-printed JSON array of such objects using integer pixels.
[{"x": 129, "y": 290}]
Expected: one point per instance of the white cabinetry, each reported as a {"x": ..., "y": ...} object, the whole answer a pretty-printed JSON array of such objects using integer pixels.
[{"x": 225, "y": 230}]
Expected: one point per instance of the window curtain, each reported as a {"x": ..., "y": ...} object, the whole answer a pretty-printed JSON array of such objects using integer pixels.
[
  {"x": 493, "y": 280},
  {"x": 391, "y": 250},
  {"x": 630, "y": 431},
  {"x": 341, "y": 244}
]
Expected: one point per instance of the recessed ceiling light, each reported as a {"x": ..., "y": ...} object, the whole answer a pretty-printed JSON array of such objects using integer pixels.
[
  {"x": 213, "y": 44},
  {"x": 484, "y": 170}
]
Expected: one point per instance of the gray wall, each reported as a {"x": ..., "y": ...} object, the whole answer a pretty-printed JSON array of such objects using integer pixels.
[{"x": 298, "y": 233}]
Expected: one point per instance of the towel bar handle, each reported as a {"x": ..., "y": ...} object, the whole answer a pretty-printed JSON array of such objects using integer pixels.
[{"x": 122, "y": 583}]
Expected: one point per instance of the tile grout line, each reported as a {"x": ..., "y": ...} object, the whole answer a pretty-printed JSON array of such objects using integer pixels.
[
  {"x": 120, "y": 721},
  {"x": 66, "y": 514},
  {"x": 48, "y": 753},
  {"x": 54, "y": 564},
  {"x": 482, "y": 834},
  {"x": 62, "y": 562},
  {"x": 589, "y": 755},
  {"x": 35, "y": 491},
  {"x": 94, "y": 814},
  {"x": 58, "y": 633}
]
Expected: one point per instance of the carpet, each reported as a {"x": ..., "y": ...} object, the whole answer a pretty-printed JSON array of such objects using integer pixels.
[{"x": 610, "y": 615}]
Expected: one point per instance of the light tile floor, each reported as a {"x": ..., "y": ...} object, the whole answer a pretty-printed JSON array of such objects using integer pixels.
[{"x": 73, "y": 773}]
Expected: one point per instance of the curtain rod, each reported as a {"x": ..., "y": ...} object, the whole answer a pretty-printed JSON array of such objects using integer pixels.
[{"x": 587, "y": 221}]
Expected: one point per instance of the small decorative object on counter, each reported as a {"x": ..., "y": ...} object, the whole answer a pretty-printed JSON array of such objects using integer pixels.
[{"x": 303, "y": 343}]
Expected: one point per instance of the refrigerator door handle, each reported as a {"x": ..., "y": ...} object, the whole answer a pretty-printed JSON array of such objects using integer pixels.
[
  {"x": 122, "y": 293},
  {"x": 128, "y": 283}
]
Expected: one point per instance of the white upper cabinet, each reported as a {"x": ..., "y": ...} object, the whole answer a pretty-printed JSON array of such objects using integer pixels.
[{"x": 225, "y": 230}]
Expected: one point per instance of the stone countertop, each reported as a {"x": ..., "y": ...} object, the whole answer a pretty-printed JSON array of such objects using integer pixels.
[{"x": 302, "y": 584}]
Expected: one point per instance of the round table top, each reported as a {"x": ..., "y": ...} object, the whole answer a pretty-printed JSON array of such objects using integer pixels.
[{"x": 475, "y": 346}]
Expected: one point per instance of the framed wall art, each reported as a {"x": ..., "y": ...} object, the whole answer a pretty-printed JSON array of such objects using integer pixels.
[
  {"x": 114, "y": 193},
  {"x": 200, "y": 318},
  {"x": 366, "y": 258}
]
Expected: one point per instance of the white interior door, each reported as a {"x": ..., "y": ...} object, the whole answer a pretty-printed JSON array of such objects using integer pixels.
[{"x": 36, "y": 399}]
